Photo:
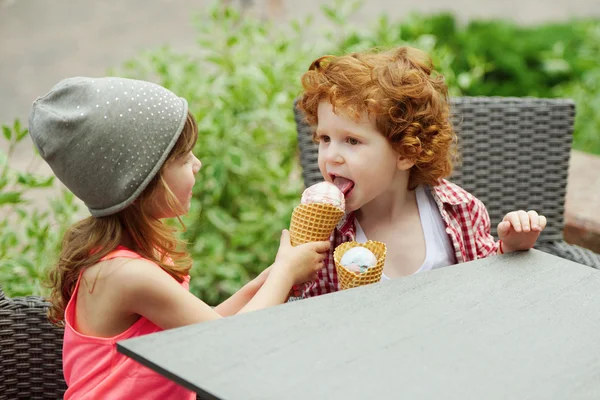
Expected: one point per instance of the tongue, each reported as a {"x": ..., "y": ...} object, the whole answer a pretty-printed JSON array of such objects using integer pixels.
[{"x": 343, "y": 184}]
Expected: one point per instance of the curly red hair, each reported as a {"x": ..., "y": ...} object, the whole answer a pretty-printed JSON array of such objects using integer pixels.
[{"x": 401, "y": 92}]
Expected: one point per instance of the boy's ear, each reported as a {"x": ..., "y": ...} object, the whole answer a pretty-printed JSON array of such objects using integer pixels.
[{"x": 404, "y": 164}]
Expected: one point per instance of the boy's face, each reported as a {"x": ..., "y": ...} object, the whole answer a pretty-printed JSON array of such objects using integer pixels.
[{"x": 358, "y": 159}]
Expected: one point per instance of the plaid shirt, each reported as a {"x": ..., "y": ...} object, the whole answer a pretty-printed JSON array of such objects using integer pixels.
[{"x": 467, "y": 224}]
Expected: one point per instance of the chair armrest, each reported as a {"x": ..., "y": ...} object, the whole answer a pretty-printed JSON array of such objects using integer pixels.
[{"x": 571, "y": 252}]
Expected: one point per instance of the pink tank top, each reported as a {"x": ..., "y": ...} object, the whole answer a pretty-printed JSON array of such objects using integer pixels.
[{"x": 93, "y": 368}]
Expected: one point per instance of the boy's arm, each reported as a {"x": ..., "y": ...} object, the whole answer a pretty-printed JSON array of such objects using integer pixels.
[
  {"x": 485, "y": 242},
  {"x": 518, "y": 230}
]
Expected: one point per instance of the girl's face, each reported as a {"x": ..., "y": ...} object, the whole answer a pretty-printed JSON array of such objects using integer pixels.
[
  {"x": 180, "y": 176},
  {"x": 358, "y": 159}
]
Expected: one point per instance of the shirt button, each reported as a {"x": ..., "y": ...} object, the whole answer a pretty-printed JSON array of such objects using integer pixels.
[{"x": 448, "y": 230}]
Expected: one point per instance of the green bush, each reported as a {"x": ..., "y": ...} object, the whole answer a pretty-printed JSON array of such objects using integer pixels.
[
  {"x": 240, "y": 84},
  {"x": 585, "y": 89},
  {"x": 240, "y": 87},
  {"x": 499, "y": 58},
  {"x": 29, "y": 238}
]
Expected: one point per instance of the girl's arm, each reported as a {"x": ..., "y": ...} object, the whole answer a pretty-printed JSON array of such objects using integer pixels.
[
  {"x": 275, "y": 290},
  {"x": 268, "y": 289},
  {"x": 239, "y": 299},
  {"x": 272, "y": 286},
  {"x": 293, "y": 265},
  {"x": 145, "y": 289}
]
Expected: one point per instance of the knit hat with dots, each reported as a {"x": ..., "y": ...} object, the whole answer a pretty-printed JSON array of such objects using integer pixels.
[{"x": 106, "y": 138}]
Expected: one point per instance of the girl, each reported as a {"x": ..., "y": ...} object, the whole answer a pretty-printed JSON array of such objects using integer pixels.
[
  {"x": 386, "y": 141},
  {"x": 124, "y": 147}
]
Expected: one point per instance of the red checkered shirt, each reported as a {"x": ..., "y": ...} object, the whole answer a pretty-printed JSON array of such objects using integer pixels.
[{"x": 467, "y": 224}]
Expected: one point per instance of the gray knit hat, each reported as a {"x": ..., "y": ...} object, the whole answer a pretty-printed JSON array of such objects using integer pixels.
[{"x": 106, "y": 138}]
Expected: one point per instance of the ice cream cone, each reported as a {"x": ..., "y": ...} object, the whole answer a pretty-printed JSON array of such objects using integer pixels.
[
  {"x": 348, "y": 279},
  {"x": 312, "y": 223}
]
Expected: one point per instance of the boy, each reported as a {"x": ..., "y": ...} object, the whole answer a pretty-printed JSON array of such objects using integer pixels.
[{"x": 385, "y": 140}]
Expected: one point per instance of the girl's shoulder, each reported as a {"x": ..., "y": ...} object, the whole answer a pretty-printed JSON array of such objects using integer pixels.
[
  {"x": 130, "y": 271},
  {"x": 121, "y": 252},
  {"x": 127, "y": 264},
  {"x": 104, "y": 296}
]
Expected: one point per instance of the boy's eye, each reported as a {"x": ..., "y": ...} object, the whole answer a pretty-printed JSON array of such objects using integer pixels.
[
  {"x": 352, "y": 141},
  {"x": 324, "y": 138}
]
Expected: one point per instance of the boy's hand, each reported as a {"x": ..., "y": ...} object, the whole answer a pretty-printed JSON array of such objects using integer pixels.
[{"x": 519, "y": 230}]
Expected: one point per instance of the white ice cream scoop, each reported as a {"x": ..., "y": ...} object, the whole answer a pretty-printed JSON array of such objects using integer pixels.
[
  {"x": 324, "y": 192},
  {"x": 358, "y": 259}
]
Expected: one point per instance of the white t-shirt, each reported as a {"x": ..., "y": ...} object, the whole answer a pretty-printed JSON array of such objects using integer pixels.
[{"x": 439, "y": 251}]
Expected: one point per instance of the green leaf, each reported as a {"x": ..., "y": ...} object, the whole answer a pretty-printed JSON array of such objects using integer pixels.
[
  {"x": 7, "y": 132},
  {"x": 22, "y": 134},
  {"x": 33, "y": 181},
  {"x": 221, "y": 220},
  {"x": 11, "y": 198}
]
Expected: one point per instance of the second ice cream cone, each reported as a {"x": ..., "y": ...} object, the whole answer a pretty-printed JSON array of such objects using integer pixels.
[{"x": 348, "y": 279}]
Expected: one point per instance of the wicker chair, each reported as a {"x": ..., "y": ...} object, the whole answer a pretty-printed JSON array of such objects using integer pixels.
[
  {"x": 515, "y": 155},
  {"x": 30, "y": 351}
]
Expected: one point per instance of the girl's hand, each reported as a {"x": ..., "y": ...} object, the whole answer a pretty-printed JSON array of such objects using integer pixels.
[
  {"x": 299, "y": 263},
  {"x": 293, "y": 265},
  {"x": 519, "y": 230}
]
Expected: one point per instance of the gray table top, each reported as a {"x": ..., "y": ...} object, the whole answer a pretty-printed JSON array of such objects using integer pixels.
[{"x": 523, "y": 326}]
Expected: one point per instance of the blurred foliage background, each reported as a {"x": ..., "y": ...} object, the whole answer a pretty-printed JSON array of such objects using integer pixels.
[{"x": 240, "y": 84}]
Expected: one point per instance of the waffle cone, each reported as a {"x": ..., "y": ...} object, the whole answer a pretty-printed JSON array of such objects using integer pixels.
[
  {"x": 313, "y": 222},
  {"x": 349, "y": 279}
]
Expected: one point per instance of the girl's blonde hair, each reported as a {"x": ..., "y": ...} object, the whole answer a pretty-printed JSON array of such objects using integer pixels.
[{"x": 88, "y": 241}]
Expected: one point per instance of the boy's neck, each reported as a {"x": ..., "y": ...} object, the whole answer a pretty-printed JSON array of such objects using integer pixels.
[{"x": 389, "y": 206}]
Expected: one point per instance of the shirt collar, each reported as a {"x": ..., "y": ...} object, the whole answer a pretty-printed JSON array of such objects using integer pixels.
[
  {"x": 449, "y": 193},
  {"x": 346, "y": 226}
]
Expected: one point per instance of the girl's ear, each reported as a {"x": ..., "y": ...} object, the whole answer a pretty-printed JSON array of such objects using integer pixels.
[{"x": 404, "y": 164}]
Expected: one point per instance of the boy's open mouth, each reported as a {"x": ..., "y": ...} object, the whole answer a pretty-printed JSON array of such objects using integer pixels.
[{"x": 345, "y": 185}]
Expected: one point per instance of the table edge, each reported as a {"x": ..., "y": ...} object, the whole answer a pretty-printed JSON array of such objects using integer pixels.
[{"x": 203, "y": 394}]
